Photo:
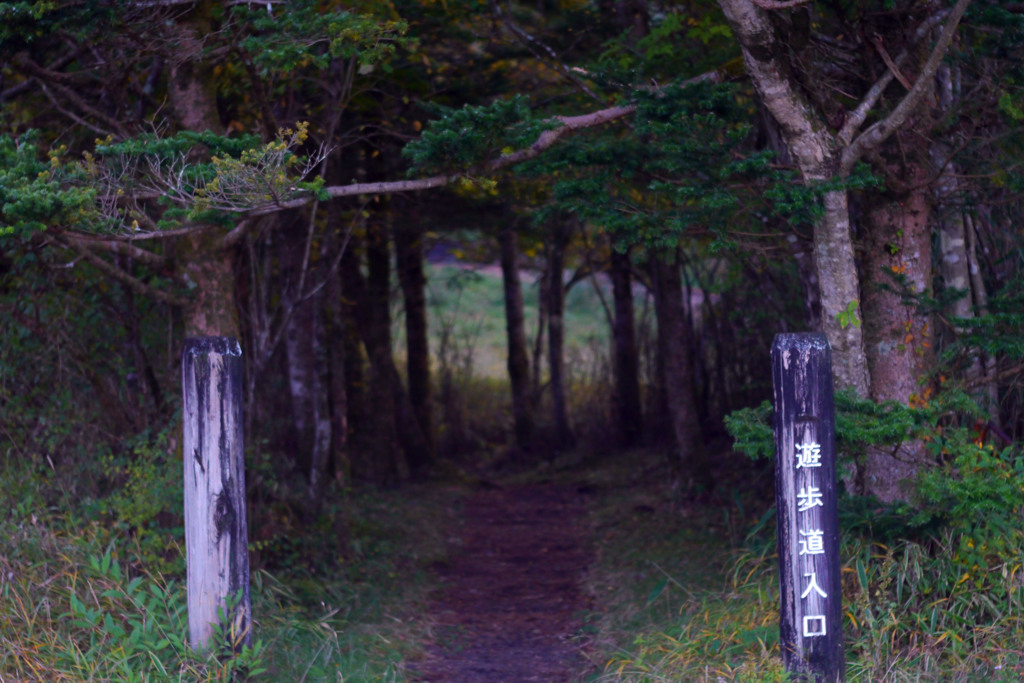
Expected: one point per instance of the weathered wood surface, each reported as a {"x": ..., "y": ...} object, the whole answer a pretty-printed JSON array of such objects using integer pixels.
[
  {"x": 808, "y": 525},
  {"x": 216, "y": 540}
]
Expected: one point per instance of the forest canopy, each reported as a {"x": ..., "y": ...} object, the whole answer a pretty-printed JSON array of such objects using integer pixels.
[{"x": 296, "y": 173}]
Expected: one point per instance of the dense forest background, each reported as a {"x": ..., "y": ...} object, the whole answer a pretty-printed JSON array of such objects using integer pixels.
[{"x": 706, "y": 174}]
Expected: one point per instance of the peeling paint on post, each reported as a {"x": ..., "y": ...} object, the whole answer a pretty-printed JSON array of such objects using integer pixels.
[
  {"x": 216, "y": 540},
  {"x": 805, "y": 496}
]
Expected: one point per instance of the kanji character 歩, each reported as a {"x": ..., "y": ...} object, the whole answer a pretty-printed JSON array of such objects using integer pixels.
[{"x": 809, "y": 497}]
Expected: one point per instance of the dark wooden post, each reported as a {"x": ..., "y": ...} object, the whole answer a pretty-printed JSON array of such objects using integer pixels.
[
  {"x": 216, "y": 540},
  {"x": 805, "y": 496}
]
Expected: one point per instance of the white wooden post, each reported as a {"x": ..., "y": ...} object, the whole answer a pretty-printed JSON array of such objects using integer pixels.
[{"x": 216, "y": 540}]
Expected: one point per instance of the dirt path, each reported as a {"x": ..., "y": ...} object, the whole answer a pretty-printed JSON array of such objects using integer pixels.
[{"x": 510, "y": 603}]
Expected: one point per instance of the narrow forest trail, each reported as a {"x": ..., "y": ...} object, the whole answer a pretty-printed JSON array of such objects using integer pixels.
[{"x": 510, "y": 602}]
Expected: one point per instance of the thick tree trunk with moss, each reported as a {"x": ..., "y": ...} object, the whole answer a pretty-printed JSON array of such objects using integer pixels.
[
  {"x": 899, "y": 335},
  {"x": 413, "y": 280},
  {"x": 839, "y": 286},
  {"x": 898, "y": 255},
  {"x": 191, "y": 85},
  {"x": 205, "y": 263},
  {"x": 515, "y": 324},
  {"x": 626, "y": 361}
]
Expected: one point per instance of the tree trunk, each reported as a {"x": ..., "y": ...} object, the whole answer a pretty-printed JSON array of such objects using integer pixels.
[
  {"x": 899, "y": 338},
  {"x": 393, "y": 415},
  {"x": 955, "y": 230},
  {"x": 980, "y": 297},
  {"x": 355, "y": 363},
  {"x": 303, "y": 337},
  {"x": 898, "y": 334},
  {"x": 409, "y": 260},
  {"x": 191, "y": 85},
  {"x": 542, "y": 324},
  {"x": 377, "y": 337},
  {"x": 840, "y": 293},
  {"x": 626, "y": 364},
  {"x": 816, "y": 154},
  {"x": 206, "y": 264},
  {"x": 212, "y": 311},
  {"x": 418, "y": 453},
  {"x": 556, "y": 334},
  {"x": 658, "y": 411},
  {"x": 337, "y": 396},
  {"x": 673, "y": 344},
  {"x": 515, "y": 322}
]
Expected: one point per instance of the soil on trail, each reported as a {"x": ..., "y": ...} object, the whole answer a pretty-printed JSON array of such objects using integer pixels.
[{"x": 510, "y": 602}]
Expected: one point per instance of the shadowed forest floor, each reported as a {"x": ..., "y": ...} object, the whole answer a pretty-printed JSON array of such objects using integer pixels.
[{"x": 510, "y": 603}]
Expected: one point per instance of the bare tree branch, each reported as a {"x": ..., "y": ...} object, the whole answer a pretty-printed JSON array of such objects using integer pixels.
[
  {"x": 876, "y": 40},
  {"x": 237, "y": 233},
  {"x": 113, "y": 271},
  {"x": 536, "y": 46},
  {"x": 70, "y": 114},
  {"x": 567, "y": 124},
  {"x": 117, "y": 246},
  {"x": 876, "y": 134},
  {"x": 857, "y": 117},
  {"x": 64, "y": 84},
  {"x": 161, "y": 234},
  {"x": 779, "y": 4},
  {"x": 55, "y": 67}
]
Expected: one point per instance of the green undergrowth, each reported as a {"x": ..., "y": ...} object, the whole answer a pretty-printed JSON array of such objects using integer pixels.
[
  {"x": 932, "y": 592},
  {"x": 77, "y": 604},
  {"x": 674, "y": 599}
]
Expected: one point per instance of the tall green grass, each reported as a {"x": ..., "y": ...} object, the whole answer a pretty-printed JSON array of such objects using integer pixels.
[
  {"x": 686, "y": 595},
  {"x": 78, "y": 604}
]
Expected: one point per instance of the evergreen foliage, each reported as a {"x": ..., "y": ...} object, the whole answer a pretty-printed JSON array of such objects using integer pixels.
[
  {"x": 34, "y": 194},
  {"x": 678, "y": 171},
  {"x": 303, "y": 37},
  {"x": 460, "y": 139}
]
